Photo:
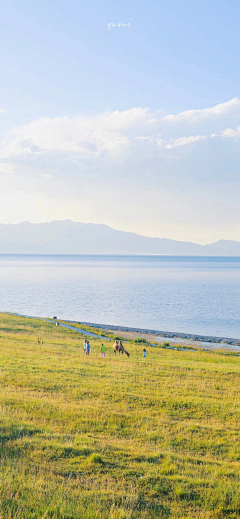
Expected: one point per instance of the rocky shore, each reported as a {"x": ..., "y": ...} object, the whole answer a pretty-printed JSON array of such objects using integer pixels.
[{"x": 167, "y": 335}]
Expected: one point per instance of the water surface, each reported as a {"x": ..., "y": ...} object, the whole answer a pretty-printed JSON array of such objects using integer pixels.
[{"x": 176, "y": 294}]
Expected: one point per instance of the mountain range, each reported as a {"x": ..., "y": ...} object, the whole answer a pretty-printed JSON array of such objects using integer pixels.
[{"x": 68, "y": 237}]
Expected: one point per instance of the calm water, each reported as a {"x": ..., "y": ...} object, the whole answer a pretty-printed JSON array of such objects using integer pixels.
[{"x": 192, "y": 295}]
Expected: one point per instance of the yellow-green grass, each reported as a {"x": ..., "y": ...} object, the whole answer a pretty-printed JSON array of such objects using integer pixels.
[{"x": 118, "y": 438}]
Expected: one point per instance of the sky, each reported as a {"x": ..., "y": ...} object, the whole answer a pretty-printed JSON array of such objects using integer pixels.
[{"x": 135, "y": 125}]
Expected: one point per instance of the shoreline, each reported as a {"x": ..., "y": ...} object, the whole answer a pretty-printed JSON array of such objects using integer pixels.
[
  {"x": 209, "y": 340},
  {"x": 161, "y": 334}
]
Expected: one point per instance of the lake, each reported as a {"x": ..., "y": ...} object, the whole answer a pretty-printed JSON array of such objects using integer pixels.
[{"x": 195, "y": 295}]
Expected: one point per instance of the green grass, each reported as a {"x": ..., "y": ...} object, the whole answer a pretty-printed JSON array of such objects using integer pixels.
[{"x": 115, "y": 438}]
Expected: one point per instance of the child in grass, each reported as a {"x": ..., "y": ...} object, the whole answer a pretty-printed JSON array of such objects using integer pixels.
[
  {"x": 103, "y": 350},
  {"x": 88, "y": 348},
  {"x": 144, "y": 353},
  {"x": 85, "y": 347}
]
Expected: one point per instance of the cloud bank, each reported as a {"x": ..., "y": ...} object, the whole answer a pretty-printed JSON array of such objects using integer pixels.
[
  {"x": 128, "y": 166},
  {"x": 109, "y": 133}
]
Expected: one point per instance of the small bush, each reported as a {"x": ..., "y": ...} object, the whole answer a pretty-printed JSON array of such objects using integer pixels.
[{"x": 95, "y": 458}]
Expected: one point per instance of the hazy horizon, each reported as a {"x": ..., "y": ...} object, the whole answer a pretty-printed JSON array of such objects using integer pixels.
[
  {"x": 69, "y": 237},
  {"x": 114, "y": 228}
]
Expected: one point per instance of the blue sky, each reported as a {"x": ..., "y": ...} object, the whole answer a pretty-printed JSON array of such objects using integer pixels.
[{"x": 85, "y": 132}]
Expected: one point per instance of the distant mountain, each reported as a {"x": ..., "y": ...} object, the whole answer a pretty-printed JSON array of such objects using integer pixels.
[{"x": 68, "y": 237}]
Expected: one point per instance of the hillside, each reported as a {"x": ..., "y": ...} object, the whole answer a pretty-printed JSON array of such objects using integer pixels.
[
  {"x": 68, "y": 237},
  {"x": 115, "y": 438}
]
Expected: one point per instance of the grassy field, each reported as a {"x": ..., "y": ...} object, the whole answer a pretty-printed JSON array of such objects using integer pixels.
[{"x": 115, "y": 438}]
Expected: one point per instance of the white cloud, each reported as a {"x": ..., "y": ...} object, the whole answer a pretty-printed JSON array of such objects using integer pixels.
[
  {"x": 182, "y": 141},
  {"x": 124, "y": 120},
  {"x": 205, "y": 113},
  {"x": 228, "y": 133},
  {"x": 173, "y": 143},
  {"x": 2, "y": 111},
  {"x": 86, "y": 136},
  {"x": 94, "y": 142},
  {"x": 153, "y": 140}
]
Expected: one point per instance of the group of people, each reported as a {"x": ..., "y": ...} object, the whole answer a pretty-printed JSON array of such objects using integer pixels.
[{"x": 87, "y": 349}]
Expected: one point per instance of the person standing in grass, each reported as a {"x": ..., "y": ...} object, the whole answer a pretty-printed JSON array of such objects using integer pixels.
[
  {"x": 88, "y": 348},
  {"x": 85, "y": 347},
  {"x": 103, "y": 350},
  {"x": 144, "y": 353}
]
